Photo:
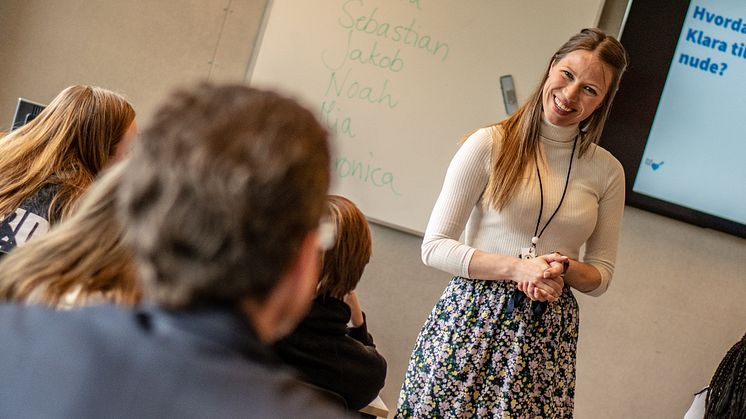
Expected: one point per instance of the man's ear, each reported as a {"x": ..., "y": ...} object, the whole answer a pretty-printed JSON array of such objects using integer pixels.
[
  {"x": 288, "y": 302},
  {"x": 303, "y": 274}
]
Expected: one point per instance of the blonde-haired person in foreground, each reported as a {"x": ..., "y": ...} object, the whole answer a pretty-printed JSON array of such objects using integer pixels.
[
  {"x": 47, "y": 164},
  {"x": 323, "y": 348},
  {"x": 81, "y": 261}
]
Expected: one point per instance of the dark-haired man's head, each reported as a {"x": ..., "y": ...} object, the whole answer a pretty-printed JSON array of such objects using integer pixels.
[{"x": 222, "y": 200}]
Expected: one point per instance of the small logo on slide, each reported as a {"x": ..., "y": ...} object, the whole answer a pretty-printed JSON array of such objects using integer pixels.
[{"x": 653, "y": 165}]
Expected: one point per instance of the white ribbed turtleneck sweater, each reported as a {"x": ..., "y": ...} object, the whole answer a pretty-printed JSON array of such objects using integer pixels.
[{"x": 591, "y": 212}]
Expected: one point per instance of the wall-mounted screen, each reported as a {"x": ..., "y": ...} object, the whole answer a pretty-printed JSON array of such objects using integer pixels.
[
  {"x": 679, "y": 123},
  {"x": 26, "y": 110}
]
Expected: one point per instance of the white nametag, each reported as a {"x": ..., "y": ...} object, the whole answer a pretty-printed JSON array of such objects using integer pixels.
[{"x": 527, "y": 252}]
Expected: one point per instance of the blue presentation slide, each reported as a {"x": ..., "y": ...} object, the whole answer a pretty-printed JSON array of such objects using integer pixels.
[{"x": 695, "y": 153}]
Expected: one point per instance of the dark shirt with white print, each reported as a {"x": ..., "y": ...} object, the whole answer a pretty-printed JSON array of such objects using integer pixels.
[{"x": 30, "y": 219}]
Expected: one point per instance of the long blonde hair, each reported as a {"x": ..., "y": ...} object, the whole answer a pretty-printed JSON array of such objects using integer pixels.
[
  {"x": 67, "y": 144},
  {"x": 83, "y": 254},
  {"x": 520, "y": 131}
]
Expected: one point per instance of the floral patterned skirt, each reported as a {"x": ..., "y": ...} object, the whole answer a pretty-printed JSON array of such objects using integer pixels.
[{"x": 485, "y": 353}]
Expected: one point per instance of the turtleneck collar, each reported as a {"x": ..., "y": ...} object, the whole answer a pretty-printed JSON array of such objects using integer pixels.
[{"x": 558, "y": 134}]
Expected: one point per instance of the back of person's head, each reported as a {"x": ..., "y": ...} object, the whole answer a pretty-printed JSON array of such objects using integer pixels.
[
  {"x": 68, "y": 143},
  {"x": 345, "y": 261},
  {"x": 80, "y": 261},
  {"x": 726, "y": 398},
  {"x": 222, "y": 191}
]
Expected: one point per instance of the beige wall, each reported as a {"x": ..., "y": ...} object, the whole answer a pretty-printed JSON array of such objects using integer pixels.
[
  {"x": 675, "y": 305},
  {"x": 141, "y": 48},
  {"x": 612, "y": 16}
]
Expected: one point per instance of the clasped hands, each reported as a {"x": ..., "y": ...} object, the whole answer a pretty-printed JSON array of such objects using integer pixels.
[{"x": 541, "y": 278}]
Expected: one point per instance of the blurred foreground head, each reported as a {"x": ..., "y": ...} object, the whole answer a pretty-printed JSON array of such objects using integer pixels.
[{"x": 221, "y": 203}]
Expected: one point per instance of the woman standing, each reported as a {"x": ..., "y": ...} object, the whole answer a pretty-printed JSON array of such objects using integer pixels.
[
  {"x": 47, "y": 164},
  {"x": 529, "y": 192}
]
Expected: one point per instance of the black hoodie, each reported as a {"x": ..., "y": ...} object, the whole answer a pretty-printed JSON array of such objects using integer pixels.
[{"x": 330, "y": 355}]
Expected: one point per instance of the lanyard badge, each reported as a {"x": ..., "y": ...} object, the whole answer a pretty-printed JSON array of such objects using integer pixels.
[{"x": 530, "y": 252}]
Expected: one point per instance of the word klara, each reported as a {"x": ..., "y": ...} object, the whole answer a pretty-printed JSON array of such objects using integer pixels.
[
  {"x": 405, "y": 34},
  {"x": 336, "y": 122},
  {"x": 365, "y": 172},
  {"x": 704, "y": 65},
  {"x": 699, "y": 38},
  {"x": 372, "y": 57},
  {"x": 737, "y": 49},
  {"x": 736, "y": 25},
  {"x": 356, "y": 90}
]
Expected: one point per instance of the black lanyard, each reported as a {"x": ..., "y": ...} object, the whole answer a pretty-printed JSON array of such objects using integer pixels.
[{"x": 538, "y": 233}]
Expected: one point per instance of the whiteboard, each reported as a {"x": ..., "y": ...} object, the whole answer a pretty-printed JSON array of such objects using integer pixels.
[{"x": 399, "y": 82}]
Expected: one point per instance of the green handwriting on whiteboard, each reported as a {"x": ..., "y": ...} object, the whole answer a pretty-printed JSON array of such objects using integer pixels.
[
  {"x": 406, "y": 34},
  {"x": 372, "y": 57},
  {"x": 416, "y": 3},
  {"x": 365, "y": 172},
  {"x": 338, "y": 123},
  {"x": 352, "y": 89}
]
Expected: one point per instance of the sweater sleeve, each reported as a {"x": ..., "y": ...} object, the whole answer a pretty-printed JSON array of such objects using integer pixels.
[
  {"x": 361, "y": 334},
  {"x": 464, "y": 184},
  {"x": 601, "y": 247}
]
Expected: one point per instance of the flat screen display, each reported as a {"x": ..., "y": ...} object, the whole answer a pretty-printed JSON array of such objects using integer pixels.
[
  {"x": 26, "y": 110},
  {"x": 679, "y": 124}
]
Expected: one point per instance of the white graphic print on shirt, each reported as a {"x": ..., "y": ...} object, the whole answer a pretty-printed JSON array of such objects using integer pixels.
[{"x": 19, "y": 227}]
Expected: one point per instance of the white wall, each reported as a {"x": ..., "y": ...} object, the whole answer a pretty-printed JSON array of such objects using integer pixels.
[{"x": 140, "y": 48}]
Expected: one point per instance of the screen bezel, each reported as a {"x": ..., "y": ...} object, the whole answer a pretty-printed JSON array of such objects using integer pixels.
[
  {"x": 24, "y": 109},
  {"x": 650, "y": 35}
]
